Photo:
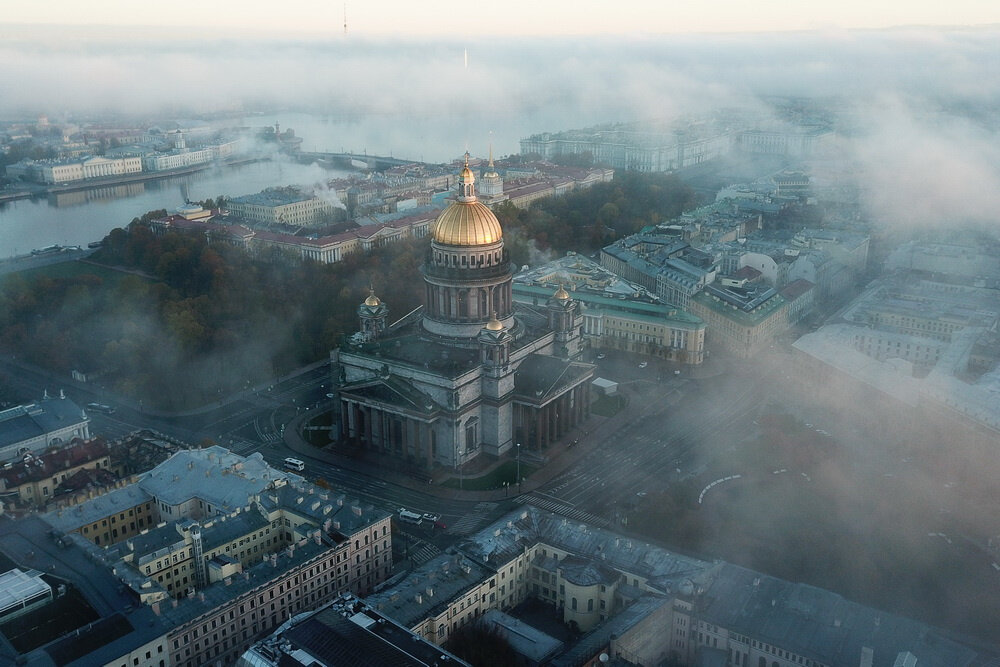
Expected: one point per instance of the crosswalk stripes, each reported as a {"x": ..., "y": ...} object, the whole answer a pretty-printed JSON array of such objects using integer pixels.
[
  {"x": 563, "y": 509},
  {"x": 418, "y": 550},
  {"x": 243, "y": 448},
  {"x": 471, "y": 521},
  {"x": 422, "y": 554}
]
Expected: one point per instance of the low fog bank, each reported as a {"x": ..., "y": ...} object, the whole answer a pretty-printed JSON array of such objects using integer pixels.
[
  {"x": 915, "y": 108},
  {"x": 620, "y": 78}
]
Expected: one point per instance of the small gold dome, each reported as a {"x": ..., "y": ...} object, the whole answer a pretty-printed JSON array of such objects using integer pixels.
[
  {"x": 466, "y": 175},
  {"x": 467, "y": 224},
  {"x": 372, "y": 300},
  {"x": 494, "y": 324},
  {"x": 561, "y": 294}
]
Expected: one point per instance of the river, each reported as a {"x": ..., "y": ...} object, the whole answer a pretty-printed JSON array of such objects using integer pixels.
[{"x": 77, "y": 218}]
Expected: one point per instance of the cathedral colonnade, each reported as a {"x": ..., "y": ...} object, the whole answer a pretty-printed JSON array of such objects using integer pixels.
[
  {"x": 473, "y": 304},
  {"x": 539, "y": 426},
  {"x": 399, "y": 436}
]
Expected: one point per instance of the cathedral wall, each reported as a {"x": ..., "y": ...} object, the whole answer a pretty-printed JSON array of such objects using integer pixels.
[
  {"x": 497, "y": 428},
  {"x": 542, "y": 345}
]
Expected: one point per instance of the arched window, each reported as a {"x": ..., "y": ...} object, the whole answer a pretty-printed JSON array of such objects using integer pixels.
[{"x": 471, "y": 434}]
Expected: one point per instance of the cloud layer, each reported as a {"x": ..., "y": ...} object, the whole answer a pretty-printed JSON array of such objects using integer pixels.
[{"x": 922, "y": 101}]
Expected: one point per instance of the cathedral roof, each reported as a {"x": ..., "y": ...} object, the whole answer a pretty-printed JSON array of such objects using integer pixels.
[
  {"x": 541, "y": 377},
  {"x": 395, "y": 391},
  {"x": 467, "y": 222}
]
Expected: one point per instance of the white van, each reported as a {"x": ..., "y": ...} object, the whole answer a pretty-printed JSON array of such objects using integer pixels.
[{"x": 295, "y": 464}]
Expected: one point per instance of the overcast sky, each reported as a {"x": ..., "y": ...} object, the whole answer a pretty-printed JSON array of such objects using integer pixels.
[{"x": 508, "y": 17}]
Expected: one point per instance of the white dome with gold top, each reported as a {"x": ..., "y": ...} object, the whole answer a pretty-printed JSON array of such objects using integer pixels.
[{"x": 467, "y": 221}]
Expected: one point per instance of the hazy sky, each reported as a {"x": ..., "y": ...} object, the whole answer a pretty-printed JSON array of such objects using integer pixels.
[{"x": 518, "y": 17}]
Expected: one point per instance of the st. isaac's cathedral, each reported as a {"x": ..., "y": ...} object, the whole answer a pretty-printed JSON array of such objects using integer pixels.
[{"x": 470, "y": 372}]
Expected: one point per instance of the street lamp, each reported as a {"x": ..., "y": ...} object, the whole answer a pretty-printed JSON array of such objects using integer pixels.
[{"x": 519, "y": 467}]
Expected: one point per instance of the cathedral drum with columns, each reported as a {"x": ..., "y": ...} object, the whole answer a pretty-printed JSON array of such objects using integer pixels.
[{"x": 471, "y": 373}]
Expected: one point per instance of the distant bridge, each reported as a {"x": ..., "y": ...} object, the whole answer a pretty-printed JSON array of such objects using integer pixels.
[{"x": 356, "y": 160}]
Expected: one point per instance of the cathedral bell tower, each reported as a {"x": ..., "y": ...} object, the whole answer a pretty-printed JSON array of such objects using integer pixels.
[
  {"x": 565, "y": 320},
  {"x": 497, "y": 384},
  {"x": 494, "y": 347},
  {"x": 373, "y": 314}
]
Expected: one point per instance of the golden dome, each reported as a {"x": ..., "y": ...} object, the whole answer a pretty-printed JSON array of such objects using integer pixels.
[
  {"x": 561, "y": 294},
  {"x": 468, "y": 223},
  {"x": 494, "y": 324},
  {"x": 372, "y": 300}
]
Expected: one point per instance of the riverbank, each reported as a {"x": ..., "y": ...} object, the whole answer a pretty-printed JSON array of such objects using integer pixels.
[{"x": 124, "y": 179}]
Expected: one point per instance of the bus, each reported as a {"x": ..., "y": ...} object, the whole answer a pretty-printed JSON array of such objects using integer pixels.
[
  {"x": 295, "y": 464},
  {"x": 47, "y": 250},
  {"x": 407, "y": 516},
  {"x": 100, "y": 407}
]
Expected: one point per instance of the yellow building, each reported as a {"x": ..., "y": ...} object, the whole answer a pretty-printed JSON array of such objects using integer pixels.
[
  {"x": 741, "y": 322},
  {"x": 35, "y": 481}
]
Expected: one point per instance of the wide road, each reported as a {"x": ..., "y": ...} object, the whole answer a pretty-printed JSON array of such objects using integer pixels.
[{"x": 674, "y": 427}]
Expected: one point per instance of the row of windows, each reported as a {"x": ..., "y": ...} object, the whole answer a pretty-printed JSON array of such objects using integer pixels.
[
  {"x": 292, "y": 595},
  {"x": 483, "y": 259},
  {"x": 149, "y": 656}
]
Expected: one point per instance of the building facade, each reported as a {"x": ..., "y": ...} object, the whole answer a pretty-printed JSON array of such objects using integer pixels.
[
  {"x": 228, "y": 549},
  {"x": 638, "y": 603},
  {"x": 741, "y": 319},
  {"x": 279, "y": 205},
  {"x": 33, "y": 427},
  {"x": 35, "y": 481},
  {"x": 617, "y": 314}
]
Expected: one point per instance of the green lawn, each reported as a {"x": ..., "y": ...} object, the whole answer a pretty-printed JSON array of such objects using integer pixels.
[
  {"x": 505, "y": 472},
  {"x": 608, "y": 406}
]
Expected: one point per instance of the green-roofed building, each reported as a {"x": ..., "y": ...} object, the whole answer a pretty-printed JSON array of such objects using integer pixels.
[{"x": 617, "y": 314}]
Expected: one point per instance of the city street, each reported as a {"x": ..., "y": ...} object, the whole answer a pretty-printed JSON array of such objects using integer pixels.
[{"x": 668, "y": 432}]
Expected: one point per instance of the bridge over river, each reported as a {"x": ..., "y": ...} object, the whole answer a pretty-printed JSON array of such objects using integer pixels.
[{"x": 355, "y": 160}]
